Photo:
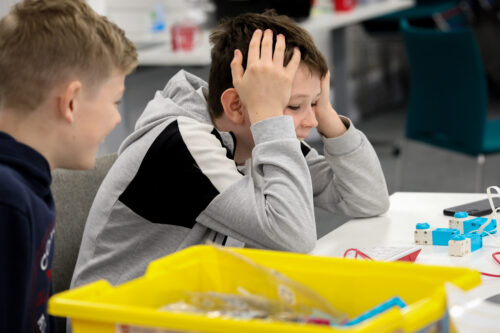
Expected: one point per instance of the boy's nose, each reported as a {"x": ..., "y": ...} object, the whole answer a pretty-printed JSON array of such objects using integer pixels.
[
  {"x": 310, "y": 118},
  {"x": 118, "y": 117}
]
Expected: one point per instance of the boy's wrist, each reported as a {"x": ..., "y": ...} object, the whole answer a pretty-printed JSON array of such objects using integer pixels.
[
  {"x": 258, "y": 113},
  {"x": 275, "y": 128},
  {"x": 330, "y": 125},
  {"x": 345, "y": 143}
]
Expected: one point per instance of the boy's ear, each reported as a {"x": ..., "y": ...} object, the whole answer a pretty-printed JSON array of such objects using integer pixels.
[
  {"x": 232, "y": 106},
  {"x": 68, "y": 100}
]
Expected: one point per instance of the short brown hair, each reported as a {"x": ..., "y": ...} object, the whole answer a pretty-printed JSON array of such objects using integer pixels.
[
  {"x": 236, "y": 33},
  {"x": 45, "y": 42}
]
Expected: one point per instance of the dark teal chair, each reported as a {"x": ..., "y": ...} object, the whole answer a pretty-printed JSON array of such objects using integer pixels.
[
  {"x": 448, "y": 105},
  {"x": 422, "y": 13}
]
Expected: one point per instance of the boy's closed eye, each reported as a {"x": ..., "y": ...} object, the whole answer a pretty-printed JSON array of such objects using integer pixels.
[{"x": 297, "y": 107}]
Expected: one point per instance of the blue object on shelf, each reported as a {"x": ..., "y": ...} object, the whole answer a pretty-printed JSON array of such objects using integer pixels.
[
  {"x": 158, "y": 19},
  {"x": 441, "y": 236},
  {"x": 395, "y": 301}
]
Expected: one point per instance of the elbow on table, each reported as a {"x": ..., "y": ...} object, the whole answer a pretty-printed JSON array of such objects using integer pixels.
[
  {"x": 306, "y": 246},
  {"x": 300, "y": 247},
  {"x": 382, "y": 206},
  {"x": 375, "y": 207},
  {"x": 303, "y": 242}
]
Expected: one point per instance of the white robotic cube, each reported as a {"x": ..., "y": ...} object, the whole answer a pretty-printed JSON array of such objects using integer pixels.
[
  {"x": 459, "y": 248},
  {"x": 457, "y": 223},
  {"x": 423, "y": 236}
]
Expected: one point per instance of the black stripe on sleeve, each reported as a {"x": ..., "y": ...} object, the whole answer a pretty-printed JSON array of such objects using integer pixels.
[{"x": 169, "y": 187}]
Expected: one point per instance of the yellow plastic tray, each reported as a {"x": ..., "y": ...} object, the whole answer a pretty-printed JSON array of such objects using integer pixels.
[{"x": 352, "y": 286}]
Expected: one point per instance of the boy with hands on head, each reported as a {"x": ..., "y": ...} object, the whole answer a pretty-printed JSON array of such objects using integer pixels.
[
  {"x": 266, "y": 84},
  {"x": 227, "y": 163},
  {"x": 272, "y": 65}
]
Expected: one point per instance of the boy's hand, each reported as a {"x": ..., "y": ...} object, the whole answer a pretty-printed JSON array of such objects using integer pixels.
[
  {"x": 329, "y": 123},
  {"x": 265, "y": 86}
]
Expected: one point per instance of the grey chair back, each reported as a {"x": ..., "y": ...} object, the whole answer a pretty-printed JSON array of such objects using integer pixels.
[{"x": 73, "y": 192}]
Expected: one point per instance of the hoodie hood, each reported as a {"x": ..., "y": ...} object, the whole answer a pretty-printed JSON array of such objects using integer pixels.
[
  {"x": 29, "y": 163},
  {"x": 184, "y": 95}
]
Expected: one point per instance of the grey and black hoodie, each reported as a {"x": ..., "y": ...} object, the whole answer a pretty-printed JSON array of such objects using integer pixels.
[{"x": 175, "y": 184}]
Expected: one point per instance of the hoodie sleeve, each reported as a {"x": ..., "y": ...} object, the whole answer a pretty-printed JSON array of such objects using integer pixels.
[
  {"x": 15, "y": 260},
  {"x": 348, "y": 179},
  {"x": 272, "y": 207}
]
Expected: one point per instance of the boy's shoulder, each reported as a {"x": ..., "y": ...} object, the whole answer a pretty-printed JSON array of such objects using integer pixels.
[
  {"x": 9, "y": 176},
  {"x": 186, "y": 139},
  {"x": 12, "y": 187}
]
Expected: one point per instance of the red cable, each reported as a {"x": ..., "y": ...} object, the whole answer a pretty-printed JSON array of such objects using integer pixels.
[
  {"x": 492, "y": 275},
  {"x": 494, "y": 255},
  {"x": 357, "y": 252}
]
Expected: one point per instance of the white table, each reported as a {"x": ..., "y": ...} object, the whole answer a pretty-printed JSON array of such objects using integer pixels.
[{"x": 397, "y": 226}]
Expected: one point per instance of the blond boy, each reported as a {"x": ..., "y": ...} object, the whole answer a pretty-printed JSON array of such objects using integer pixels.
[{"x": 62, "y": 70}]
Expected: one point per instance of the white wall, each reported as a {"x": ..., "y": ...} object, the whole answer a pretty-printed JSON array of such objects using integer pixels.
[{"x": 137, "y": 17}]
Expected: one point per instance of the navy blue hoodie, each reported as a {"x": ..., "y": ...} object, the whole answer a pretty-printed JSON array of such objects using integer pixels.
[{"x": 26, "y": 238}]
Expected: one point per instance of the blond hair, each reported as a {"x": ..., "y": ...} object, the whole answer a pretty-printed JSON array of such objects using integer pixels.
[{"x": 43, "y": 43}]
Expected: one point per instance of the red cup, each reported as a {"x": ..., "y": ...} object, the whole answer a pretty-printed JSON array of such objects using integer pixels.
[
  {"x": 344, "y": 5},
  {"x": 184, "y": 36}
]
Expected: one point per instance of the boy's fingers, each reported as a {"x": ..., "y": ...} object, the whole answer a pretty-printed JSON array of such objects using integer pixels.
[
  {"x": 266, "y": 52},
  {"x": 279, "y": 50},
  {"x": 237, "y": 67},
  {"x": 254, "y": 47},
  {"x": 294, "y": 63}
]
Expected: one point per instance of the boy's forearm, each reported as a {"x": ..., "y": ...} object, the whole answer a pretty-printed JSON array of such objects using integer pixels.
[
  {"x": 330, "y": 125},
  {"x": 349, "y": 179},
  {"x": 273, "y": 207}
]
